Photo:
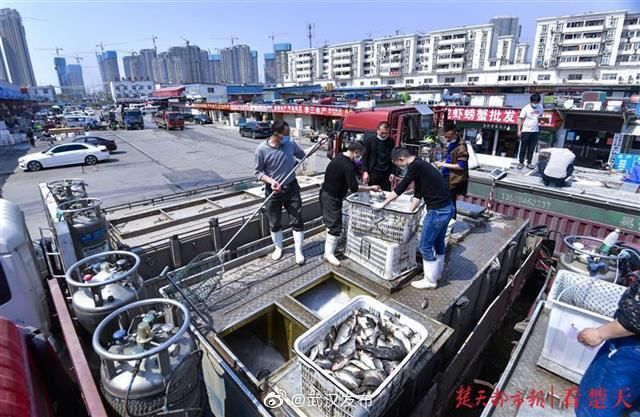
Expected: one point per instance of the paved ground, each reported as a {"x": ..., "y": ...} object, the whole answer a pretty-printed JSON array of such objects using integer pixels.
[{"x": 148, "y": 163}]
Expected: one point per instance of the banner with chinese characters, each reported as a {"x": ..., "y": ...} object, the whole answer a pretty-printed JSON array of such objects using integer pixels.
[
  {"x": 498, "y": 115},
  {"x": 301, "y": 109}
]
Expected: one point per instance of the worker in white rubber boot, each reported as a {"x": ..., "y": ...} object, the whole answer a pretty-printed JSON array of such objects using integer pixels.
[
  {"x": 275, "y": 159},
  {"x": 339, "y": 179},
  {"x": 431, "y": 186}
]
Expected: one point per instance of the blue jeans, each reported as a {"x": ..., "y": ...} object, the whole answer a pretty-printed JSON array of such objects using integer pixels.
[
  {"x": 615, "y": 370},
  {"x": 434, "y": 231}
]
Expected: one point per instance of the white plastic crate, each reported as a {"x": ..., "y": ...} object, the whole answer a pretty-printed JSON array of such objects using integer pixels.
[
  {"x": 338, "y": 401},
  {"x": 394, "y": 223},
  {"x": 388, "y": 260},
  {"x": 576, "y": 302}
]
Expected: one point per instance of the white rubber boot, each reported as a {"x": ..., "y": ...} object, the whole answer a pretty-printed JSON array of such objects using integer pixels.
[
  {"x": 277, "y": 242},
  {"x": 440, "y": 261},
  {"x": 298, "y": 240},
  {"x": 429, "y": 281},
  {"x": 330, "y": 248}
]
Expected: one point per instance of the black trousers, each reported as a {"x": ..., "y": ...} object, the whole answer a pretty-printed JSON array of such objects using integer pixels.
[
  {"x": 380, "y": 179},
  {"x": 529, "y": 142},
  {"x": 556, "y": 182},
  {"x": 331, "y": 213},
  {"x": 290, "y": 199}
]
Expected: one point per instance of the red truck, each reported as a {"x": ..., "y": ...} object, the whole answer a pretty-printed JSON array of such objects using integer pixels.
[
  {"x": 169, "y": 120},
  {"x": 408, "y": 125}
]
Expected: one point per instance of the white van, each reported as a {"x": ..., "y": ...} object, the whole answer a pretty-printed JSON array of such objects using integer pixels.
[
  {"x": 22, "y": 296},
  {"x": 79, "y": 121}
]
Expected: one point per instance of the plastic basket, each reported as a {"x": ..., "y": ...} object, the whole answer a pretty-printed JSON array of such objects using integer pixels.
[
  {"x": 576, "y": 302},
  {"x": 336, "y": 399},
  {"x": 388, "y": 260},
  {"x": 394, "y": 223}
]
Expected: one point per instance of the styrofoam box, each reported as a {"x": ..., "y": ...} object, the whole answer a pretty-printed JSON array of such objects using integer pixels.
[
  {"x": 340, "y": 402},
  {"x": 386, "y": 259},
  {"x": 576, "y": 302},
  {"x": 394, "y": 223}
]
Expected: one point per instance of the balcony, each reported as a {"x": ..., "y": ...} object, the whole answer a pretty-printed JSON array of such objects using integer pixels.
[
  {"x": 598, "y": 28},
  {"x": 459, "y": 50},
  {"x": 449, "y": 70},
  {"x": 394, "y": 48},
  {"x": 450, "y": 60},
  {"x": 344, "y": 54},
  {"x": 577, "y": 65},
  {"x": 593, "y": 52},
  {"x": 566, "y": 42},
  {"x": 393, "y": 64},
  {"x": 451, "y": 41}
]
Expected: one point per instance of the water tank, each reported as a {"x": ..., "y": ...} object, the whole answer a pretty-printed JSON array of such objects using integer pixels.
[
  {"x": 87, "y": 225},
  {"x": 67, "y": 189},
  {"x": 149, "y": 363},
  {"x": 102, "y": 283}
]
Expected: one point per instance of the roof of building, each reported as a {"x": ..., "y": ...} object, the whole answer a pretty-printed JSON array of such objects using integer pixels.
[{"x": 172, "y": 91}]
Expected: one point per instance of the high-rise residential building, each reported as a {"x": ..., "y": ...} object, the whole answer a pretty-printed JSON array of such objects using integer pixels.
[
  {"x": 254, "y": 74},
  {"x": 282, "y": 59},
  {"x": 215, "y": 68},
  {"x": 133, "y": 68},
  {"x": 160, "y": 69},
  {"x": 108, "y": 64},
  {"x": 60, "y": 66},
  {"x": 182, "y": 65},
  {"x": 270, "y": 68},
  {"x": 4, "y": 75},
  {"x": 16, "y": 51},
  {"x": 238, "y": 65},
  {"x": 75, "y": 80},
  {"x": 146, "y": 61}
]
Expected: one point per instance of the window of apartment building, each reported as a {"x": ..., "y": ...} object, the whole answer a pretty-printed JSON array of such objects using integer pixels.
[
  {"x": 610, "y": 34},
  {"x": 408, "y": 81},
  {"x": 361, "y": 83},
  {"x": 591, "y": 35},
  {"x": 544, "y": 77},
  {"x": 473, "y": 79},
  {"x": 45, "y": 91},
  {"x": 575, "y": 24},
  {"x": 586, "y": 59},
  {"x": 594, "y": 22},
  {"x": 374, "y": 83},
  {"x": 450, "y": 79},
  {"x": 391, "y": 82},
  {"x": 638, "y": 76},
  {"x": 610, "y": 76},
  {"x": 504, "y": 77},
  {"x": 428, "y": 80},
  {"x": 492, "y": 63},
  {"x": 117, "y": 88},
  {"x": 569, "y": 48},
  {"x": 569, "y": 59},
  {"x": 543, "y": 29},
  {"x": 574, "y": 77},
  {"x": 605, "y": 59},
  {"x": 568, "y": 36},
  {"x": 590, "y": 47},
  {"x": 148, "y": 87}
]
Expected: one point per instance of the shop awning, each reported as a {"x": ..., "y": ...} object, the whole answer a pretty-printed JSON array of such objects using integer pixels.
[{"x": 174, "y": 91}]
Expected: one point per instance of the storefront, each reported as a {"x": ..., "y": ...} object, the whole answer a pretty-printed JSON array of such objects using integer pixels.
[
  {"x": 498, "y": 127},
  {"x": 590, "y": 135}
]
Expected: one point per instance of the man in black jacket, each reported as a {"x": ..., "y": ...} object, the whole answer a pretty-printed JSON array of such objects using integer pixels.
[{"x": 377, "y": 163}]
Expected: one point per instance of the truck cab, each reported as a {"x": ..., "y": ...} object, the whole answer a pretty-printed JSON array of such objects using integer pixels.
[
  {"x": 22, "y": 295},
  {"x": 169, "y": 120},
  {"x": 408, "y": 126},
  {"x": 131, "y": 119}
]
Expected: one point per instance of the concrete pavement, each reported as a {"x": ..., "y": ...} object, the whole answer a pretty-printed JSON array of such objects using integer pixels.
[{"x": 148, "y": 163}]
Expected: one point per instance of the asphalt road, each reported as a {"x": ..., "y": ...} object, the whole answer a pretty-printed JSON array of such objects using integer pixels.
[{"x": 148, "y": 163}]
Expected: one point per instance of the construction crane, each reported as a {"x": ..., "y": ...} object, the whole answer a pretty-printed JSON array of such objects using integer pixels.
[
  {"x": 58, "y": 50},
  {"x": 152, "y": 39},
  {"x": 231, "y": 38},
  {"x": 273, "y": 37},
  {"x": 76, "y": 57},
  {"x": 102, "y": 45},
  {"x": 132, "y": 52}
]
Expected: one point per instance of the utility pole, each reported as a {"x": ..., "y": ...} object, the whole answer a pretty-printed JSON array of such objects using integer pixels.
[{"x": 310, "y": 28}]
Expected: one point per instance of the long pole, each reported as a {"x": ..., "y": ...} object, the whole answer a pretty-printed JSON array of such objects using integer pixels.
[{"x": 270, "y": 196}]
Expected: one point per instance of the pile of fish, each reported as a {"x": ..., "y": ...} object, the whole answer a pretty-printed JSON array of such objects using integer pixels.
[{"x": 364, "y": 350}]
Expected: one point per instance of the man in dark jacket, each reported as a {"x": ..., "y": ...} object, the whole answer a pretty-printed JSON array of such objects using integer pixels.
[
  {"x": 377, "y": 163},
  {"x": 616, "y": 368}
]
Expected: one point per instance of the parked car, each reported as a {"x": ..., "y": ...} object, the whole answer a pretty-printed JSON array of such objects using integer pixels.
[
  {"x": 202, "y": 119},
  {"x": 66, "y": 154},
  {"x": 97, "y": 141},
  {"x": 256, "y": 130},
  {"x": 188, "y": 117},
  {"x": 86, "y": 122}
]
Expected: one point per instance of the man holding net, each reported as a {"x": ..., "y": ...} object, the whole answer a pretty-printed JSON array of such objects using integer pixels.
[{"x": 275, "y": 160}]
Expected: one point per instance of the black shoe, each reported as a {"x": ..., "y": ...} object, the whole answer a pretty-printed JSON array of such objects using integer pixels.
[
  {"x": 520, "y": 165},
  {"x": 530, "y": 166}
]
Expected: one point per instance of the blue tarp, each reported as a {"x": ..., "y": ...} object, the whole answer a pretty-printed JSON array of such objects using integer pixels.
[{"x": 7, "y": 94}]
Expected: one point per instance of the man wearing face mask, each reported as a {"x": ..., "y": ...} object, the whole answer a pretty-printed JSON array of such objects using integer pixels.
[
  {"x": 339, "y": 179},
  {"x": 455, "y": 167},
  {"x": 431, "y": 187},
  {"x": 377, "y": 163},
  {"x": 275, "y": 158}
]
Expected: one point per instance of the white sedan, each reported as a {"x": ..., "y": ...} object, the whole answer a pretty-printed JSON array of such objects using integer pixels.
[{"x": 67, "y": 154}]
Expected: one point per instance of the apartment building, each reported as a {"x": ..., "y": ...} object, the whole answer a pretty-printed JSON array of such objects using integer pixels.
[
  {"x": 130, "y": 91},
  {"x": 595, "y": 47}
]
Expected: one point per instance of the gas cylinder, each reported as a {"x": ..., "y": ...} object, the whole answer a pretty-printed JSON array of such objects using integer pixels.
[
  {"x": 87, "y": 225},
  {"x": 149, "y": 363},
  {"x": 67, "y": 189},
  {"x": 101, "y": 283}
]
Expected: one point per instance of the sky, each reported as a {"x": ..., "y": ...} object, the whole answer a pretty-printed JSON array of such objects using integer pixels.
[{"x": 125, "y": 25}]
